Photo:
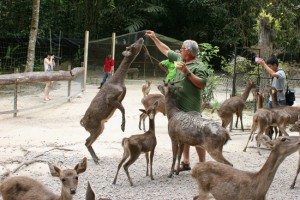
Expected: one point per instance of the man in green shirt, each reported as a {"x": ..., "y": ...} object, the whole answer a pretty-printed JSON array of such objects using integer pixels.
[{"x": 189, "y": 98}]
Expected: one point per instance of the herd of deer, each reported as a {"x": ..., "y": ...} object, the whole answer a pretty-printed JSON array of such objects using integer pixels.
[{"x": 220, "y": 178}]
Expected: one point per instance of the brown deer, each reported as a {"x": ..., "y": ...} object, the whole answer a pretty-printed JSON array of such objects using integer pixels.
[
  {"x": 190, "y": 128},
  {"x": 141, "y": 143},
  {"x": 263, "y": 119},
  {"x": 235, "y": 105},
  {"x": 26, "y": 188},
  {"x": 146, "y": 87},
  {"x": 227, "y": 183},
  {"x": 148, "y": 101},
  {"x": 296, "y": 128},
  {"x": 108, "y": 99}
]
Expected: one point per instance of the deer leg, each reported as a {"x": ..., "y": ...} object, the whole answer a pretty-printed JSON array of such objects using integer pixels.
[
  {"x": 297, "y": 173},
  {"x": 258, "y": 143},
  {"x": 241, "y": 119},
  {"x": 147, "y": 162},
  {"x": 174, "y": 150},
  {"x": 252, "y": 131},
  {"x": 118, "y": 105},
  {"x": 151, "y": 163},
  {"x": 132, "y": 159},
  {"x": 237, "y": 120},
  {"x": 140, "y": 122},
  {"x": 91, "y": 139},
  {"x": 143, "y": 116},
  {"x": 125, "y": 156},
  {"x": 282, "y": 129},
  {"x": 217, "y": 154},
  {"x": 179, "y": 154}
]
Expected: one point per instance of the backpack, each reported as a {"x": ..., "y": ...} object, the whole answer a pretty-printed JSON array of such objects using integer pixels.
[{"x": 290, "y": 96}]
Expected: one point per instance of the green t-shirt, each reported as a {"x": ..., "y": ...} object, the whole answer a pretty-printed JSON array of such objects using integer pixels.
[
  {"x": 171, "y": 69},
  {"x": 189, "y": 97}
]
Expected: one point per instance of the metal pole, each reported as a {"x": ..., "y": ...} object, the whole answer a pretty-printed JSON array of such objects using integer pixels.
[
  {"x": 69, "y": 85},
  {"x": 86, "y": 47},
  {"x": 16, "y": 100},
  {"x": 233, "y": 83},
  {"x": 113, "y": 45}
]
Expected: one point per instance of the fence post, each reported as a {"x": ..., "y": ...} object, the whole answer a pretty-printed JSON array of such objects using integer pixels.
[
  {"x": 86, "y": 46},
  {"x": 69, "y": 85},
  {"x": 16, "y": 100}
]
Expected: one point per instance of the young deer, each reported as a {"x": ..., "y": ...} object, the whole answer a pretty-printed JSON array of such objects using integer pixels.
[
  {"x": 296, "y": 128},
  {"x": 141, "y": 143},
  {"x": 190, "y": 128},
  {"x": 263, "y": 119},
  {"x": 109, "y": 99},
  {"x": 25, "y": 188},
  {"x": 149, "y": 100},
  {"x": 227, "y": 183},
  {"x": 146, "y": 87},
  {"x": 235, "y": 105}
]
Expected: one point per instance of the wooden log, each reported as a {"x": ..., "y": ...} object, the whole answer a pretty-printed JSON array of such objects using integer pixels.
[{"x": 31, "y": 77}]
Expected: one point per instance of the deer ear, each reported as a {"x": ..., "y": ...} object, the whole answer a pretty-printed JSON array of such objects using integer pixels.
[
  {"x": 81, "y": 167},
  {"x": 142, "y": 110},
  {"x": 270, "y": 143},
  {"x": 55, "y": 171},
  {"x": 90, "y": 194}
]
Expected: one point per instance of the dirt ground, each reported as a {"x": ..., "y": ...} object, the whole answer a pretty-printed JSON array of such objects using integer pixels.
[{"x": 53, "y": 134}]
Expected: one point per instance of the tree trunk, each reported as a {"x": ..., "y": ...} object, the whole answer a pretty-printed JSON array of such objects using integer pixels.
[
  {"x": 265, "y": 45},
  {"x": 32, "y": 36}
]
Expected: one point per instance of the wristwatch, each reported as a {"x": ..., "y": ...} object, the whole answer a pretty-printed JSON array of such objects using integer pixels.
[{"x": 188, "y": 74}]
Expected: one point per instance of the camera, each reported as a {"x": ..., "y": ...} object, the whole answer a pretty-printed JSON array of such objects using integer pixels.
[{"x": 57, "y": 57}]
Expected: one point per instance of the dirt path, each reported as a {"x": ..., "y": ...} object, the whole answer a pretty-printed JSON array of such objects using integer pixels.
[{"x": 54, "y": 134}]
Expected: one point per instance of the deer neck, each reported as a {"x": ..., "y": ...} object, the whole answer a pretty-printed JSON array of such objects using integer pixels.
[
  {"x": 266, "y": 174},
  {"x": 152, "y": 125},
  {"x": 121, "y": 72},
  {"x": 246, "y": 93},
  {"x": 274, "y": 99},
  {"x": 65, "y": 196},
  {"x": 259, "y": 101},
  {"x": 171, "y": 105}
]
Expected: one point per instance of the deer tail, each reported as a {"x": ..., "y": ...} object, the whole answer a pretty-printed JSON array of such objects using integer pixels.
[{"x": 124, "y": 142}]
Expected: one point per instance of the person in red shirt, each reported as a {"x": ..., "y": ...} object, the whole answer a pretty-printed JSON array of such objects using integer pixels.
[{"x": 108, "y": 69}]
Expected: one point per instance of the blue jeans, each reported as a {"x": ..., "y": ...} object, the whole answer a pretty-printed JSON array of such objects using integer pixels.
[
  {"x": 106, "y": 76},
  {"x": 280, "y": 102}
]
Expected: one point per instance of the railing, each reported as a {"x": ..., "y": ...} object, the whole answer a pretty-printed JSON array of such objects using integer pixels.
[{"x": 72, "y": 84}]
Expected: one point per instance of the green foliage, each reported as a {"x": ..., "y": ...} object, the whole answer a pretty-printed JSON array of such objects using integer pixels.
[{"x": 207, "y": 53}]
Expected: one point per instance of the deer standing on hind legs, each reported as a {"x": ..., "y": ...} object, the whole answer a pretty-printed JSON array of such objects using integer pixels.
[
  {"x": 141, "y": 143},
  {"x": 108, "y": 99},
  {"x": 235, "y": 105},
  {"x": 227, "y": 183},
  {"x": 25, "y": 188}
]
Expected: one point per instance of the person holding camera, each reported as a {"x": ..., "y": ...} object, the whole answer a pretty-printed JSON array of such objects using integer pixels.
[
  {"x": 278, "y": 78},
  {"x": 49, "y": 65}
]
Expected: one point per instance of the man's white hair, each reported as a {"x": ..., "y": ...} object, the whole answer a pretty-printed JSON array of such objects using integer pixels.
[{"x": 192, "y": 45}]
